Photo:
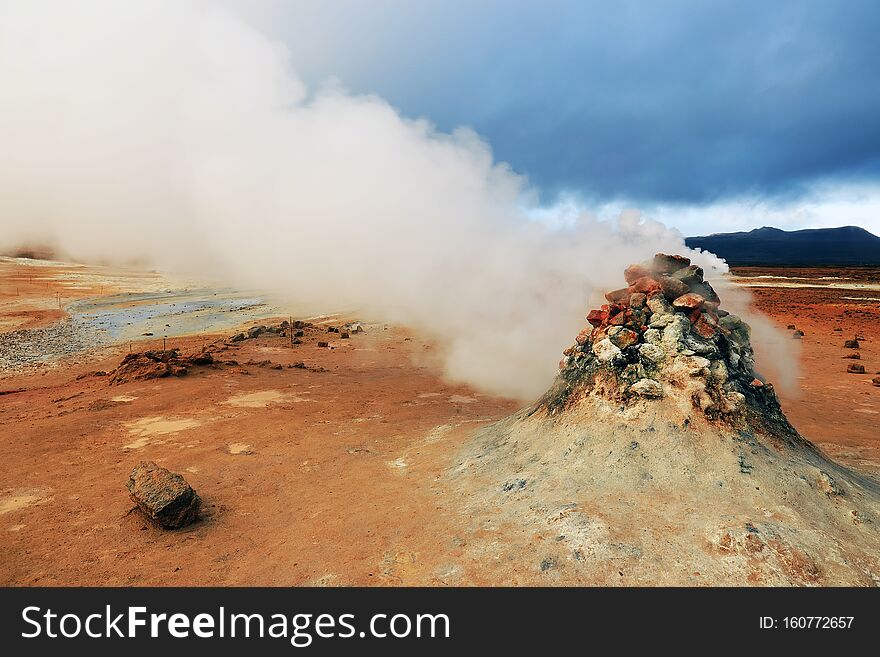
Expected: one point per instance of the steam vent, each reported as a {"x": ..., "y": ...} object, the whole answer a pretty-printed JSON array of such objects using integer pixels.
[{"x": 659, "y": 456}]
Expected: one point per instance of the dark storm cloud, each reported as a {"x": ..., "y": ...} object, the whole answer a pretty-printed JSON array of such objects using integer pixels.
[{"x": 669, "y": 101}]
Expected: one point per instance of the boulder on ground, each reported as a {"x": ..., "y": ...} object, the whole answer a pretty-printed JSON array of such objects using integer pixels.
[
  {"x": 164, "y": 497},
  {"x": 851, "y": 344},
  {"x": 855, "y": 368}
]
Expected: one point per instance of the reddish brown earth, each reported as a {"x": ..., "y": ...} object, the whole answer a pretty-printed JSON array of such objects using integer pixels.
[
  {"x": 838, "y": 411},
  {"x": 329, "y": 477}
]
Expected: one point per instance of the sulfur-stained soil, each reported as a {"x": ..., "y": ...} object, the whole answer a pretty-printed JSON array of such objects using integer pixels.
[{"x": 340, "y": 471}]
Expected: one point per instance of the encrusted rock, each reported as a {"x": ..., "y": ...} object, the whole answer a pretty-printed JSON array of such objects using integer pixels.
[
  {"x": 659, "y": 305},
  {"x": 651, "y": 352},
  {"x": 623, "y": 337},
  {"x": 163, "y": 496},
  {"x": 637, "y": 300},
  {"x": 605, "y": 350},
  {"x": 827, "y": 484},
  {"x": 647, "y": 388}
]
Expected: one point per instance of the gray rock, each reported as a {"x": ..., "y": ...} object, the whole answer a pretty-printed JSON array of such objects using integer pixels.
[
  {"x": 658, "y": 305},
  {"x": 652, "y": 353}
]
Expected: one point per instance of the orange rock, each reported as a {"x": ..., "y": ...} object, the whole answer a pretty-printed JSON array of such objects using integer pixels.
[
  {"x": 688, "y": 302},
  {"x": 634, "y": 273},
  {"x": 646, "y": 285},
  {"x": 618, "y": 296}
]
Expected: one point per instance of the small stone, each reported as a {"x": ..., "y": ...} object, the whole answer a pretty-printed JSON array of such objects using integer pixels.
[
  {"x": 855, "y": 368},
  {"x": 637, "y": 300},
  {"x": 344, "y": 335},
  {"x": 688, "y": 302},
  {"x": 605, "y": 350},
  {"x": 876, "y": 381},
  {"x": 238, "y": 337},
  {"x": 851, "y": 344},
  {"x": 321, "y": 343},
  {"x": 255, "y": 331},
  {"x": 623, "y": 337},
  {"x": 658, "y": 305},
  {"x": 797, "y": 335},
  {"x": 651, "y": 353},
  {"x": 667, "y": 264},
  {"x": 704, "y": 326},
  {"x": 854, "y": 356},
  {"x": 163, "y": 496},
  {"x": 827, "y": 484},
  {"x": 647, "y": 388},
  {"x": 583, "y": 337},
  {"x": 597, "y": 317}
]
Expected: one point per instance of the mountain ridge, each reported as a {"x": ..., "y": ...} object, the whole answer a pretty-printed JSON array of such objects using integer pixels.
[{"x": 841, "y": 246}]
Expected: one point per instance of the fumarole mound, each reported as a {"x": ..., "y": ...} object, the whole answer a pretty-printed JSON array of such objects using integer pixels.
[{"x": 659, "y": 456}]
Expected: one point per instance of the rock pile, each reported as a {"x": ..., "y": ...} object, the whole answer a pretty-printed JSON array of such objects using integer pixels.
[
  {"x": 665, "y": 331},
  {"x": 163, "y": 496},
  {"x": 157, "y": 364}
]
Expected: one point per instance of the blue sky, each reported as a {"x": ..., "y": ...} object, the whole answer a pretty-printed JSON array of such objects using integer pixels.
[{"x": 762, "y": 111}]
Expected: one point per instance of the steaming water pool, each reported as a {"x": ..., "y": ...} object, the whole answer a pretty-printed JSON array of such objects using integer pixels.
[
  {"x": 102, "y": 321},
  {"x": 122, "y": 317}
]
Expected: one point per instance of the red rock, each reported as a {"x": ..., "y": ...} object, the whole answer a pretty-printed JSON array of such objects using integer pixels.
[
  {"x": 597, "y": 317},
  {"x": 672, "y": 287},
  {"x": 688, "y": 302},
  {"x": 855, "y": 368},
  {"x": 583, "y": 337},
  {"x": 618, "y": 296},
  {"x": 634, "y": 273},
  {"x": 704, "y": 326},
  {"x": 757, "y": 383},
  {"x": 646, "y": 285},
  {"x": 667, "y": 264}
]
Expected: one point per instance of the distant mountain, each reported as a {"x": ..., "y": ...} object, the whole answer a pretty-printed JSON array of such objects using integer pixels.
[{"x": 848, "y": 245}]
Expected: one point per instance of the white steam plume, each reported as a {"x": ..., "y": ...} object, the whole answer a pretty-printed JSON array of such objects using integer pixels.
[{"x": 174, "y": 132}]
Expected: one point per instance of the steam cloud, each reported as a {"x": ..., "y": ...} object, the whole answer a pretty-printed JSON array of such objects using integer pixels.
[{"x": 176, "y": 133}]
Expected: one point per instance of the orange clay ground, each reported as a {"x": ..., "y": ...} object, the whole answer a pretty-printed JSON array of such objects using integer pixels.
[{"x": 308, "y": 477}]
